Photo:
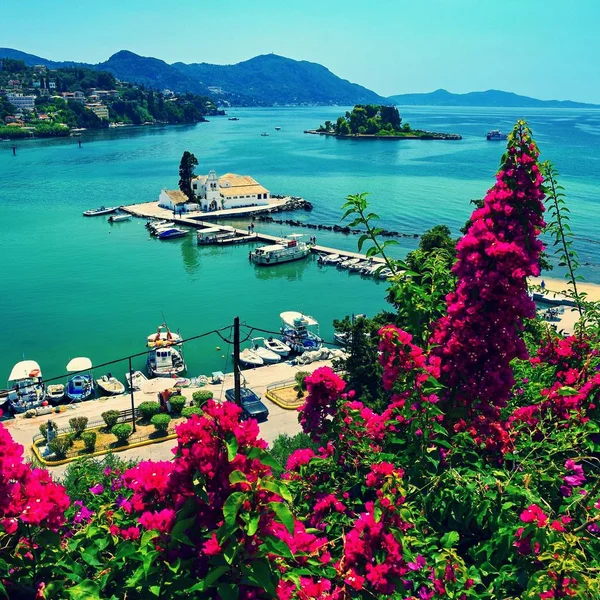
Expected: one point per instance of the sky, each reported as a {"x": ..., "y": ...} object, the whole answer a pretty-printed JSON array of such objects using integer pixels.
[{"x": 548, "y": 49}]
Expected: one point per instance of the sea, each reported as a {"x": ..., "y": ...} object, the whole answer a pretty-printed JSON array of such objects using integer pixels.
[{"x": 75, "y": 286}]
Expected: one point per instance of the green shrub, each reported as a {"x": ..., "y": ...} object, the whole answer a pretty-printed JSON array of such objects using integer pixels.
[
  {"x": 44, "y": 428},
  {"x": 191, "y": 410},
  {"x": 177, "y": 404},
  {"x": 161, "y": 422},
  {"x": 284, "y": 445},
  {"x": 60, "y": 446},
  {"x": 300, "y": 386},
  {"x": 148, "y": 409},
  {"x": 202, "y": 396},
  {"x": 122, "y": 431},
  {"x": 111, "y": 418},
  {"x": 78, "y": 425},
  {"x": 89, "y": 440}
]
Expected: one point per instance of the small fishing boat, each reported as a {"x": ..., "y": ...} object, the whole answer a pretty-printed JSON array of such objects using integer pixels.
[
  {"x": 359, "y": 266},
  {"x": 165, "y": 362},
  {"x": 277, "y": 128},
  {"x": 233, "y": 119},
  {"x": 55, "y": 392},
  {"x": 342, "y": 338},
  {"x": 329, "y": 259},
  {"x": 118, "y": 218},
  {"x": 103, "y": 210},
  {"x": 264, "y": 134},
  {"x": 163, "y": 337},
  {"x": 81, "y": 386},
  {"x": 300, "y": 332},
  {"x": 26, "y": 388},
  {"x": 348, "y": 263},
  {"x": 135, "y": 380},
  {"x": 172, "y": 233},
  {"x": 249, "y": 358},
  {"x": 269, "y": 357},
  {"x": 496, "y": 136},
  {"x": 110, "y": 385},
  {"x": 277, "y": 346},
  {"x": 285, "y": 250},
  {"x": 155, "y": 227},
  {"x": 385, "y": 273}
]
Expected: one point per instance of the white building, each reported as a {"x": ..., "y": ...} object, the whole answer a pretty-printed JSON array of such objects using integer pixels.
[
  {"x": 228, "y": 191},
  {"x": 21, "y": 102},
  {"x": 99, "y": 109},
  {"x": 176, "y": 200}
]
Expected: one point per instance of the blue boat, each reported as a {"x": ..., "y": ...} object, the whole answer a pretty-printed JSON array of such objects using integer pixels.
[
  {"x": 173, "y": 232},
  {"x": 81, "y": 386}
]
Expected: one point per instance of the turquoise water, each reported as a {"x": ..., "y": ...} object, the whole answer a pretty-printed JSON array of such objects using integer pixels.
[{"x": 74, "y": 286}]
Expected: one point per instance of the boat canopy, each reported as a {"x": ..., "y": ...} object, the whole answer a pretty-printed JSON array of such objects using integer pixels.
[
  {"x": 289, "y": 317},
  {"x": 24, "y": 370},
  {"x": 81, "y": 363},
  {"x": 295, "y": 235},
  {"x": 271, "y": 248},
  {"x": 210, "y": 230}
]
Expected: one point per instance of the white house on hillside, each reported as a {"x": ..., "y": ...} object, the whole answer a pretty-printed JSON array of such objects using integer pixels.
[{"x": 228, "y": 191}]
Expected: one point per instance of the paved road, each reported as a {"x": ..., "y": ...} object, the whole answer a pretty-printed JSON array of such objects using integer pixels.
[{"x": 280, "y": 420}]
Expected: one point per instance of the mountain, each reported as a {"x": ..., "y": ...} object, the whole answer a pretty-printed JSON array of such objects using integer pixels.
[
  {"x": 273, "y": 79},
  {"x": 264, "y": 80},
  {"x": 487, "y": 98}
]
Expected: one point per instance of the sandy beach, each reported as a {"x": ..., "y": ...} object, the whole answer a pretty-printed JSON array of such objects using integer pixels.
[{"x": 560, "y": 286}]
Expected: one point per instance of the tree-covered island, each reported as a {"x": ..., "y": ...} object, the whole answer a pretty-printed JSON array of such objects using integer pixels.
[{"x": 373, "y": 121}]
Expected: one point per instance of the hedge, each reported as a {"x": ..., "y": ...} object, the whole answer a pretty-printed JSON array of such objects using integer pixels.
[
  {"x": 161, "y": 422},
  {"x": 192, "y": 410},
  {"x": 148, "y": 409},
  {"x": 78, "y": 425},
  {"x": 111, "y": 417},
  {"x": 202, "y": 396},
  {"x": 177, "y": 404},
  {"x": 89, "y": 440},
  {"x": 122, "y": 431},
  {"x": 60, "y": 446}
]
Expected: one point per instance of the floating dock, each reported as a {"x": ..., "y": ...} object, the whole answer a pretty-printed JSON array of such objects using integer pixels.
[{"x": 151, "y": 211}]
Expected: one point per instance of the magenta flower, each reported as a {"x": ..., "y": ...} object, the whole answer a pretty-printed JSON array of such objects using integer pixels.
[
  {"x": 96, "y": 489},
  {"x": 84, "y": 514}
]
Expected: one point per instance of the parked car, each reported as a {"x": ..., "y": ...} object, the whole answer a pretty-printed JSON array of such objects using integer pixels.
[{"x": 252, "y": 405}]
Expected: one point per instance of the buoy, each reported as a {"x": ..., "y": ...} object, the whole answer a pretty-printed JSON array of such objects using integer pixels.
[
  {"x": 218, "y": 347},
  {"x": 44, "y": 403},
  {"x": 222, "y": 356}
]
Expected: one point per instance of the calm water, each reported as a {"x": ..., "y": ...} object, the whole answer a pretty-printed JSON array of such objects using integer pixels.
[{"x": 75, "y": 286}]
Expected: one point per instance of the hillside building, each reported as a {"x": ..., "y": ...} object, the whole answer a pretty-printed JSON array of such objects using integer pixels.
[
  {"x": 21, "y": 101},
  {"x": 228, "y": 191}
]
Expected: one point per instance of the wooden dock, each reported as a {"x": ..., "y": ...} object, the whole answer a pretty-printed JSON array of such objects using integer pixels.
[{"x": 242, "y": 235}]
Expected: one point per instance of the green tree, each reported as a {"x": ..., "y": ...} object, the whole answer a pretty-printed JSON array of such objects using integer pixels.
[
  {"x": 186, "y": 173},
  {"x": 390, "y": 114}
]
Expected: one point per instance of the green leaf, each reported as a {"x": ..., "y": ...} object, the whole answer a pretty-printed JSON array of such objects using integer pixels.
[
  {"x": 178, "y": 531},
  {"x": 148, "y": 537},
  {"x": 232, "y": 448},
  {"x": 284, "y": 516},
  {"x": 260, "y": 575},
  {"x": 154, "y": 590},
  {"x": 213, "y": 575},
  {"x": 86, "y": 590},
  {"x": 228, "y": 591},
  {"x": 253, "y": 524},
  {"x": 237, "y": 477},
  {"x": 277, "y": 546},
  {"x": 232, "y": 506},
  {"x": 361, "y": 240},
  {"x": 276, "y": 487},
  {"x": 450, "y": 539}
]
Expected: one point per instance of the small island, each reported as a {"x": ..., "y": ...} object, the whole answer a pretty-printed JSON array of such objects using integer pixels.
[{"x": 370, "y": 121}]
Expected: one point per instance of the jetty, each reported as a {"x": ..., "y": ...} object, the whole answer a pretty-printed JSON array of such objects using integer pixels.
[{"x": 151, "y": 210}]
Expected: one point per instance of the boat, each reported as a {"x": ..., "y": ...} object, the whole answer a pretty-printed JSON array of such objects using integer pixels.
[
  {"x": 55, "y": 392},
  {"x": 285, "y": 250},
  {"x": 165, "y": 362},
  {"x": 277, "y": 128},
  {"x": 103, "y": 210},
  {"x": 249, "y": 358},
  {"x": 26, "y": 388},
  {"x": 359, "y": 266},
  {"x": 172, "y": 233},
  {"x": 233, "y": 119},
  {"x": 81, "y": 386},
  {"x": 342, "y": 338},
  {"x": 496, "y": 136},
  {"x": 118, "y": 218},
  {"x": 329, "y": 259},
  {"x": 264, "y": 134},
  {"x": 163, "y": 337},
  {"x": 300, "y": 332},
  {"x": 348, "y": 263},
  {"x": 135, "y": 380},
  {"x": 385, "y": 273},
  {"x": 212, "y": 235},
  {"x": 277, "y": 346},
  {"x": 110, "y": 385},
  {"x": 269, "y": 357},
  {"x": 3, "y": 397},
  {"x": 158, "y": 225}
]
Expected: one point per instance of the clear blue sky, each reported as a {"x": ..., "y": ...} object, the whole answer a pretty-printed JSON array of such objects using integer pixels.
[{"x": 542, "y": 48}]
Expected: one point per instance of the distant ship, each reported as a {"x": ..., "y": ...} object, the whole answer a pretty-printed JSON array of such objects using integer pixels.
[
  {"x": 496, "y": 135},
  {"x": 233, "y": 119}
]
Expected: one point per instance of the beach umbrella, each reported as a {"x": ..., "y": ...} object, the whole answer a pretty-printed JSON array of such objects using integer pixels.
[{"x": 153, "y": 386}]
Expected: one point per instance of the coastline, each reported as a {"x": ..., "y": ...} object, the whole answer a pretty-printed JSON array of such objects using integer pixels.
[
  {"x": 427, "y": 135},
  {"x": 558, "y": 286}
]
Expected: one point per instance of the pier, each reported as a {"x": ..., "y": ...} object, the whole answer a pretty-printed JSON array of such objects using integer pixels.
[{"x": 151, "y": 210}]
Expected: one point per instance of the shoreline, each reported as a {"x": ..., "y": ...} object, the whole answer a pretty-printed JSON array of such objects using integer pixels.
[
  {"x": 427, "y": 135},
  {"x": 558, "y": 286}
]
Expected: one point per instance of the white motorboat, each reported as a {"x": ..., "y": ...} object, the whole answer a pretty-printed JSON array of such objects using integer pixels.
[
  {"x": 342, "y": 338},
  {"x": 103, "y": 210},
  {"x": 135, "y": 380},
  {"x": 329, "y": 259},
  {"x": 118, "y": 218},
  {"x": 155, "y": 227},
  {"x": 165, "y": 362},
  {"x": 285, "y": 250},
  {"x": 359, "y": 266},
  {"x": 348, "y": 263},
  {"x": 26, "y": 388},
  {"x": 277, "y": 346},
  {"x": 385, "y": 273},
  {"x": 55, "y": 392},
  {"x": 163, "y": 337},
  {"x": 110, "y": 385},
  {"x": 268, "y": 356},
  {"x": 300, "y": 332},
  {"x": 249, "y": 358},
  {"x": 81, "y": 386}
]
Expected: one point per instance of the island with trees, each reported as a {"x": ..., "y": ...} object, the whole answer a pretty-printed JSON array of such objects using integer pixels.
[{"x": 371, "y": 121}]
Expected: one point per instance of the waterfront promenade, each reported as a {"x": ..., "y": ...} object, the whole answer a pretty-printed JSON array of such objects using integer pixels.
[{"x": 280, "y": 420}]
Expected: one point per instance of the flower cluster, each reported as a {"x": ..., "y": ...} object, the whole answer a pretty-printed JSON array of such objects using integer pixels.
[{"x": 324, "y": 388}]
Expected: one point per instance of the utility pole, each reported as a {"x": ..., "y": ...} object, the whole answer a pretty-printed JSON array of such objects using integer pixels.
[
  {"x": 236, "y": 359},
  {"x": 131, "y": 393}
]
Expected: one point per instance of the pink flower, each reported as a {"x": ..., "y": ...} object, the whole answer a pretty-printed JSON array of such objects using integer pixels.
[
  {"x": 96, "y": 489},
  {"x": 211, "y": 547},
  {"x": 534, "y": 514}
]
